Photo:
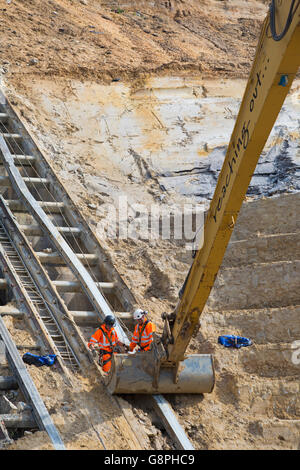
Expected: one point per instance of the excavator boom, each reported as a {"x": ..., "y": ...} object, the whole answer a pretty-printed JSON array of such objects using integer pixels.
[{"x": 275, "y": 65}]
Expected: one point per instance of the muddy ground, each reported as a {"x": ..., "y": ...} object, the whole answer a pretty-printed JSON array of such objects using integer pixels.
[{"x": 51, "y": 50}]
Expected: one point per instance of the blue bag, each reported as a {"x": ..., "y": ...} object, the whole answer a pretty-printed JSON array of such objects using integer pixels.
[
  {"x": 39, "y": 361},
  {"x": 231, "y": 341}
]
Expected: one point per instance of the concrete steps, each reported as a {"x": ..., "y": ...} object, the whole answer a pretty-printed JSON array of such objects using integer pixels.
[
  {"x": 268, "y": 216},
  {"x": 273, "y": 333},
  {"x": 270, "y": 360},
  {"x": 263, "y": 249},
  {"x": 257, "y": 295},
  {"x": 257, "y": 285},
  {"x": 261, "y": 266},
  {"x": 265, "y": 325},
  {"x": 285, "y": 430}
]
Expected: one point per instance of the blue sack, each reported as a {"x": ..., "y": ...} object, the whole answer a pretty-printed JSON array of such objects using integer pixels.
[
  {"x": 231, "y": 341},
  {"x": 39, "y": 361}
]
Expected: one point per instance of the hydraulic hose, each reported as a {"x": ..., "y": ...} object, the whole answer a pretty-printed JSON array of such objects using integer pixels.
[{"x": 275, "y": 36}]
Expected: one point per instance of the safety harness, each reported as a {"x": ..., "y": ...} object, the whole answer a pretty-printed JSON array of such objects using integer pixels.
[{"x": 140, "y": 334}]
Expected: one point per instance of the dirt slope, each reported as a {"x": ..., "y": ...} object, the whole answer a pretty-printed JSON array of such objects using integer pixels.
[
  {"x": 105, "y": 40},
  {"x": 101, "y": 41}
]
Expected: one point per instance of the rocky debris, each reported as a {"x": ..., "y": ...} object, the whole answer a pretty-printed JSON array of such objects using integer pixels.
[{"x": 33, "y": 61}]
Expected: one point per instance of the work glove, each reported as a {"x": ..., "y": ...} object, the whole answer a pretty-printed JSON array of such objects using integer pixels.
[{"x": 135, "y": 350}]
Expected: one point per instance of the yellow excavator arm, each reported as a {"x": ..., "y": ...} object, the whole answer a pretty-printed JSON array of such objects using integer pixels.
[
  {"x": 275, "y": 65},
  {"x": 167, "y": 369}
]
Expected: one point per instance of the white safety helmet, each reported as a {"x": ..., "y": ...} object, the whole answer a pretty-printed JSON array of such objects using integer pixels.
[{"x": 138, "y": 314}]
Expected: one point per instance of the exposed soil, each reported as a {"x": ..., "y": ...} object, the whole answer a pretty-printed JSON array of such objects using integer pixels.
[
  {"x": 104, "y": 40},
  {"x": 255, "y": 403}
]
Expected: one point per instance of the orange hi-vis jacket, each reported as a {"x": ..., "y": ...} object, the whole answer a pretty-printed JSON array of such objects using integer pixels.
[
  {"x": 100, "y": 340},
  {"x": 143, "y": 335}
]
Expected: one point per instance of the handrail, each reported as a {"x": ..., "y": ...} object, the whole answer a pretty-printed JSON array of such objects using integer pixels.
[
  {"x": 89, "y": 285},
  {"x": 29, "y": 390}
]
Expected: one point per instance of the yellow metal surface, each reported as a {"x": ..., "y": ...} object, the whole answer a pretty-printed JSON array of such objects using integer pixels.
[{"x": 275, "y": 66}]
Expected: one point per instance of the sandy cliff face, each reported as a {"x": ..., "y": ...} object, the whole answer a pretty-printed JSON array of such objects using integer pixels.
[{"x": 138, "y": 99}]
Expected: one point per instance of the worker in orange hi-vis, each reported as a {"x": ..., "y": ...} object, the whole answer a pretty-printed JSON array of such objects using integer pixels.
[
  {"x": 142, "y": 338},
  {"x": 105, "y": 340}
]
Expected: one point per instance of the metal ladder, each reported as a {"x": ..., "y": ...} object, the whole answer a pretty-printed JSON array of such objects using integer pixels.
[{"x": 20, "y": 271}]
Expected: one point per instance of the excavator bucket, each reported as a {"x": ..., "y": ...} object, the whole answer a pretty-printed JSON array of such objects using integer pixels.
[{"x": 139, "y": 373}]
